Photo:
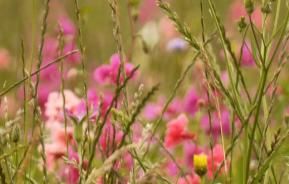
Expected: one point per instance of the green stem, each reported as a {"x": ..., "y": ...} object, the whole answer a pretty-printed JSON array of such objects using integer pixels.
[{"x": 252, "y": 137}]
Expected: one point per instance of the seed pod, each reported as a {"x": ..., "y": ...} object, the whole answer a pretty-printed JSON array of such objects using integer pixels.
[{"x": 15, "y": 134}]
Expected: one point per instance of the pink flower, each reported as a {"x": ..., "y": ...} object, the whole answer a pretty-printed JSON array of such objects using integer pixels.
[
  {"x": 175, "y": 107},
  {"x": 71, "y": 172},
  {"x": 237, "y": 10},
  {"x": 225, "y": 78},
  {"x": 115, "y": 64},
  {"x": 4, "y": 59},
  {"x": 67, "y": 26},
  {"x": 106, "y": 138},
  {"x": 167, "y": 29},
  {"x": 108, "y": 73},
  {"x": 216, "y": 123},
  {"x": 50, "y": 74},
  {"x": 50, "y": 48},
  {"x": 73, "y": 58},
  {"x": 56, "y": 146},
  {"x": 148, "y": 10},
  {"x": 152, "y": 111},
  {"x": 176, "y": 131},
  {"x": 215, "y": 159},
  {"x": 190, "y": 149},
  {"x": 54, "y": 104},
  {"x": 191, "y": 102},
  {"x": 190, "y": 179},
  {"x": 172, "y": 168},
  {"x": 102, "y": 74},
  {"x": 247, "y": 56},
  {"x": 44, "y": 90}
]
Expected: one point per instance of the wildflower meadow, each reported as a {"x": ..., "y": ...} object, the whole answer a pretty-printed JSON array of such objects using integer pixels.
[{"x": 144, "y": 92}]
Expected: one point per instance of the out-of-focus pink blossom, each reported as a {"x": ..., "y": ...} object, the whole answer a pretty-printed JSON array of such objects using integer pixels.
[
  {"x": 225, "y": 78},
  {"x": 148, "y": 11},
  {"x": 216, "y": 122},
  {"x": 50, "y": 48},
  {"x": 172, "y": 168},
  {"x": 50, "y": 74},
  {"x": 44, "y": 90},
  {"x": 102, "y": 74},
  {"x": 153, "y": 110},
  {"x": 73, "y": 58},
  {"x": 5, "y": 59},
  {"x": 247, "y": 56},
  {"x": 67, "y": 26},
  {"x": 108, "y": 73},
  {"x": 237, "y": 10},
  {"x": 215, "y": 159},
  {"x": 167, "y": 29},
  {"x": 190, "y": 179},
  {"x": 190, "y": 149},
  {"x": 71, "y": 172},
  {"x": 176, "y": 131},
  {"x": 106, "y": 138},
  {"x": 71, "y": 74},
  {"x": 54, "y": 105},
  {"x": 191, "y": 102},
  {"x": 175, "y": 107},
  {"x": 56, "y": 146}
]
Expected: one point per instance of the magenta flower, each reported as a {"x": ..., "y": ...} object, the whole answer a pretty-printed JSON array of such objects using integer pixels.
[
  {"x": 71, "y": 173},
  {"x": 67, "y": 26},
  {"x": 73, "y": 58},
  {"x": 190, "y": 149},
  {"x": 191, "y": 102},
  {"x": 153, "y": 110},
  {"x": 108, "y": 73},
  {"x": 50, "y": 48},
  {"x": 102, "y": 74},
  {"x": 247, "y": 56},
  {"x": 216, "y": 123}
]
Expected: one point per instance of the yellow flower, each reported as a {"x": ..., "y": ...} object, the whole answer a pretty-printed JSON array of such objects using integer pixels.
[{"x": 200, "y": 164}]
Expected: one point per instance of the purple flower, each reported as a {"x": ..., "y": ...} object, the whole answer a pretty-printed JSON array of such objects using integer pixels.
[{"x": 177, "y": 45}]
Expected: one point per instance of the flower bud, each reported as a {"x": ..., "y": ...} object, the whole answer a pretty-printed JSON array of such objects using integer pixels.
[
  {"x": 242, "y": 24},
  {"x": 134, "y": 3},
  {"x": 267, "y": 8},
  {"x": 249, "y": 5}
]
